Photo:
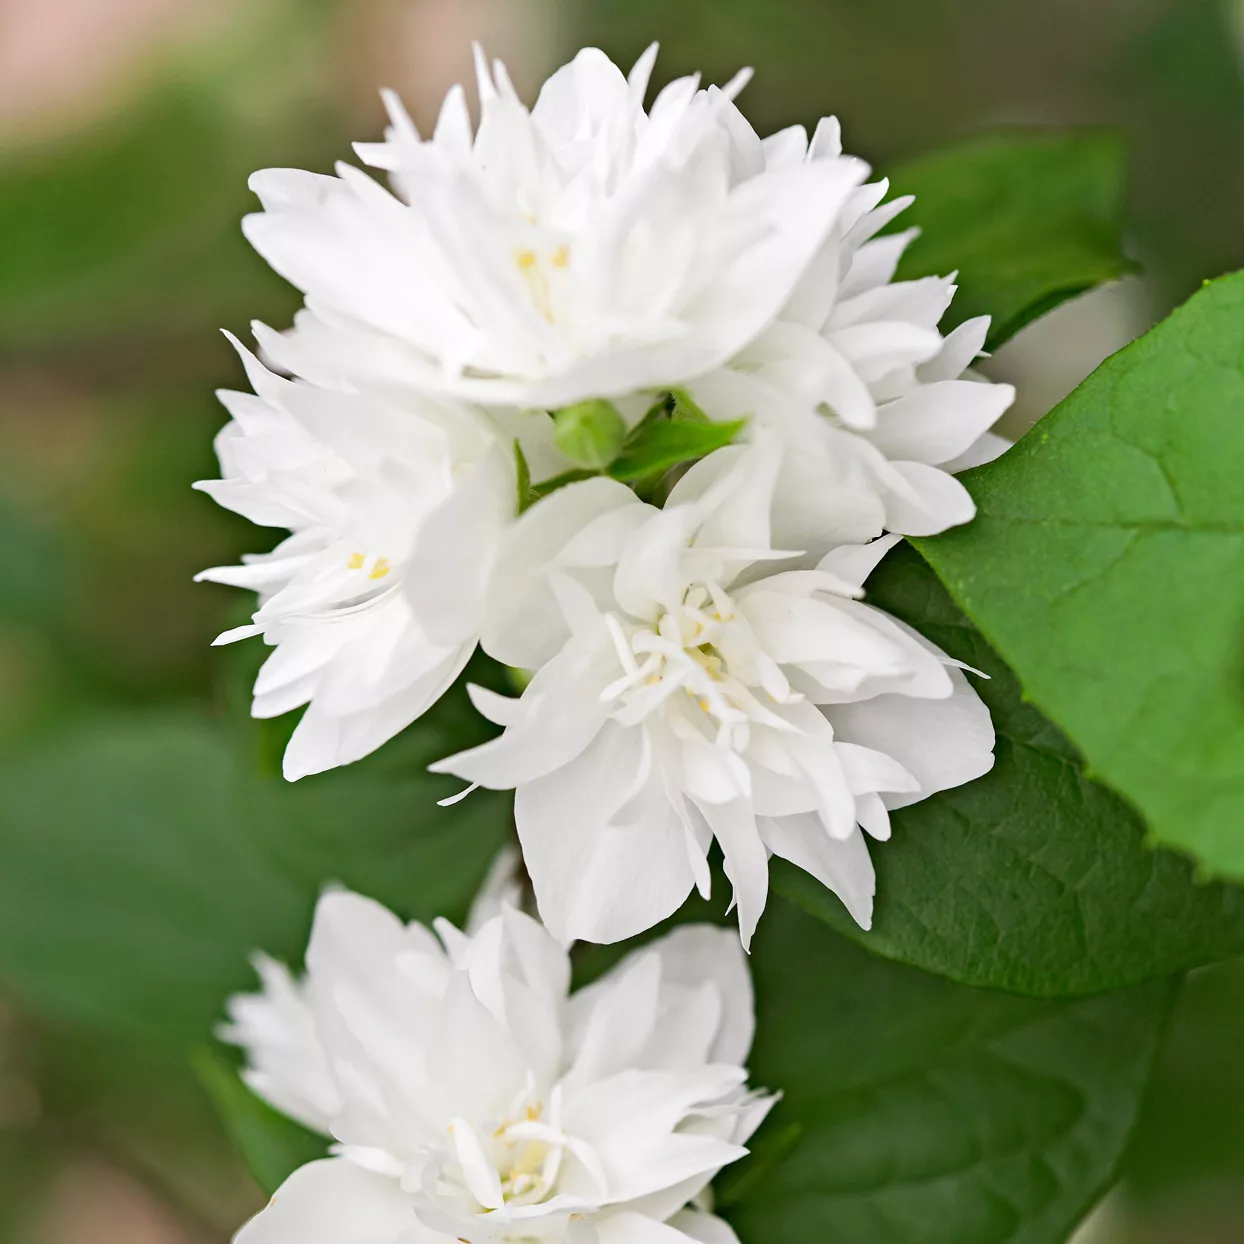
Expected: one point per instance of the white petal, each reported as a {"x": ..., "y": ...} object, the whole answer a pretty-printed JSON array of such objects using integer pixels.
[
  {"x": 332, "y": 1202},
  {"x": 453, "y": 555},
  {"x": 704, "y": 1228},
  {"x": 746, "y": 861},
  {"x": 938, "y": 501},
  {"x": 792, "y": 629},
  {"x": 841, "y": 865},
  {"x": 853, "y": 563},
  {"x": 868, "y": 770},
  {"x": 287, "y": 1064},
  {"x": 479, "y": 1172},
  {"x": 594, "y": 880},
  {"x": 959, "y": 350},
  {"x": 985, "y": 449},
  {"x": 473, "y": 1066},
  {"x": 523, "y": 625},
  {"x": 620, "y": 1019},
  {"x": 558, "y": 715},
  {"x": 323, "y": 741},
  {"x": 699, "y": 953},
  {"x": 937, "y": 422},
  {"x": 628, "y": 1227},
  {"x": 630, "y": 1120},
  {"x": 942, "y": 743}
]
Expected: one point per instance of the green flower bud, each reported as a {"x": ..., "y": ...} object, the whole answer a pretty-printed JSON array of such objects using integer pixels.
[{"x": 589, "y": 434}]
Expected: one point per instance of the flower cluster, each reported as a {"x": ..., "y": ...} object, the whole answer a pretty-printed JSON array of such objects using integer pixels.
[
  {"x": 702, "y": 665},
  {"x": 472, "y": 1097}
]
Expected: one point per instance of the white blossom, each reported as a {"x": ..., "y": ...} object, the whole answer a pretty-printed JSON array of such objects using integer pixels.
[
  {"x": 871, "y": 400},
  {"x": 585, "y": 248},
  {"x": 472, "y": 1097},
  {"x": 286, "y": 1062},
  {"x": 374, "y": 601},
  {"x": 690, "y": 686}
]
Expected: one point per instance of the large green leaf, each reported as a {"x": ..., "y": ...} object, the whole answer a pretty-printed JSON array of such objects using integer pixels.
[
  {"x": 1033, "y": 878},
  {"x": 1106, "y": 565},
  {"x": 145, "y": 858},
  {"x": 1027, "y": 219},
  {"x": 917, "y": 1111}
]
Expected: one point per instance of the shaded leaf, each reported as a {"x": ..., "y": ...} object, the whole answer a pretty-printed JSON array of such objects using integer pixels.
[
  {"x": 916, "y": 1111},
  {"x": 144, "y": 859},
  {"x": 1027, "y": 219}
]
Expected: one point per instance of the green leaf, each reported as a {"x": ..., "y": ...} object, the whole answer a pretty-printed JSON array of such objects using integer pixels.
[
  {"x": 523, "y": 473},
  {"x": 590, "y": 434},
  {"x": 664, "y": 443},
  {"x": 686, "y": 407},
  {"x": 133, "y": 886},
  {"x": 1106, "y": 565},
  {"x": 547, "y": 486},
  {"x": 272, "y": 1145},
  {"x": 1033, "y": 878},
  {"x": 145, "y": 859},
  {"x": 1028, "y": 220},
  {"x": 916, "y": 1111}
]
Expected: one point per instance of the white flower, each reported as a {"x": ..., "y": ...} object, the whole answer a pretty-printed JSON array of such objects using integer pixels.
[
  {"x": 375, "y": 600},
  {"x": 870, "y": 398},
  {"x": 287, "y": 1065},
  {"x": 688, "y": 686},
  {"x": 584, "y": 249},
  {"x": 472, "y": 1097}
]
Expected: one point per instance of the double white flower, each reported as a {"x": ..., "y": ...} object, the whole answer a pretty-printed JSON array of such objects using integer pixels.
[
  {"x": 375, "y": 601},
  {"x": 700, "y": 672},
  {"x": 876, "y": 409},
  {"x": 587, "y": 248},
  {"x": 690, "y": 686},
  {"x": 472, "y": 1097}
]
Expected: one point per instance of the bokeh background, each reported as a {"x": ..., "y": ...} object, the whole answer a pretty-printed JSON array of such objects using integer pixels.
[{"x": 127, "y": 131}]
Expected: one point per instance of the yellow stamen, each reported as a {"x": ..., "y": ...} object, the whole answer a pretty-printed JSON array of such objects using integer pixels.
[
  {"x": 380, "y": 569},
  {"x": 561, "y": 256},
  {"x": 525, "y": 259},
  {"x": 356, "y": 561}
]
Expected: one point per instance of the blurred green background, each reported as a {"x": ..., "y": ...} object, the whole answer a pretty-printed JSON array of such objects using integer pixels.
[{"x": 127, "y": 131}]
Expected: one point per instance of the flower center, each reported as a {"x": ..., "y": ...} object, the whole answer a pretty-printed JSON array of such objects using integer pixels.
[
  {"x": 705, "y": 650},
  {"x": 529, "y": 1154},
  {"x": 514, "y": 1164},
  {"x": 534, "y": 268},
  {"x": 376, "y": 567}
]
